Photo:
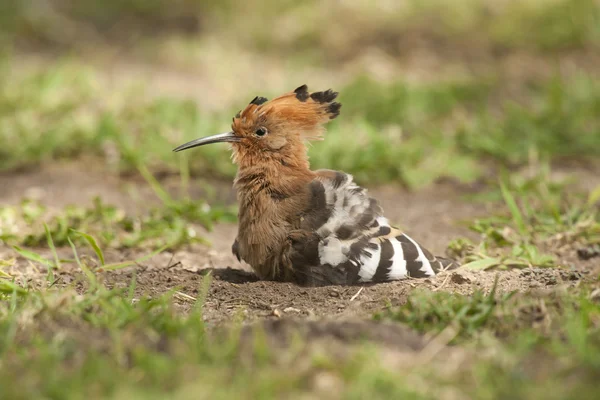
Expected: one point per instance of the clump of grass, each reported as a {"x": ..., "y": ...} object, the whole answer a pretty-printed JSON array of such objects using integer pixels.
[
  {"x": 71, "y": 24},
  {"x": 41, "y": 120},
  {"x": 578, "y": 30},
  {"x": 414, "y": 107},
  {"x": 558, "y": 119},
  {"x": 433, "y": 312},
  {"x": 171, "y": 225},
  {"x": 414, "y": 134},
  {"x": 483, "y": 25},
  {"x": 547, "y": 345},
  {"x": 561, "y": 319},
  {"x": 63, "y": 113},
  {"x": 543, "y": 218},
  {"x": 307, "y": 27}
]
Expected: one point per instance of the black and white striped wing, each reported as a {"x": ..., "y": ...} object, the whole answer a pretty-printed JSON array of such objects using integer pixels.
[{"x": 353, "y": 242}]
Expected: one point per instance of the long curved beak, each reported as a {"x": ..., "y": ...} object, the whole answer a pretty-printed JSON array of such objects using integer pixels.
[{"x": 221, "y": 137}]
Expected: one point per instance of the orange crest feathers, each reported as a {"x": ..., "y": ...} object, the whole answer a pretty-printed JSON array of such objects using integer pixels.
[{"x": 294, "y": 112}]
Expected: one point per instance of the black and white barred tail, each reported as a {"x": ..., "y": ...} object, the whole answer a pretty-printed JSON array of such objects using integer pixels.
[{"x": 381, "y": 257}]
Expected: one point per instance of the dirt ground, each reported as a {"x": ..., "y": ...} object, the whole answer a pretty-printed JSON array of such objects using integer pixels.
[{"x": 434, "y": 216}]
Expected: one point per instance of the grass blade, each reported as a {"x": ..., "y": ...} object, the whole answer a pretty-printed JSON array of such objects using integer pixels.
[
  {"x": 184, "y": 172},
  {"x": 160, "y": 192},
  {"x": 203, "y": 294},
  {"x": 8, "y": 287},
  {"x": 91, "y": 277},
  {"x": 132, "y": 287},
  {"x": 483, "y": 264},
  {"x": 6, "y": 263},
  {"x": 594, "y": 196},
  {"x": 30, "y": 255},
  {"x": 115, "y": 266},
  {"x": 52, "y": 247},
  {"x": 514, "y": 209},
  {"x": 93, "y": 243},
  {"x": 125, "y": 264}
]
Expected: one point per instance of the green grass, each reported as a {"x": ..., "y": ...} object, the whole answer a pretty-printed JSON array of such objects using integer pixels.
[
  {"x": 63, "y": 113},
  {"x": 431, "y": 312},
  {"x": 558, "y": 120},
  {"x": 171, "y": 225},
  {"x": 101, "y": 343},
  {"x": 526, "y": 346},
  {"x": 414, "y": 134},
  {"x": 108, "y": 343},
  {"x": 85, "y": 340},
  {"x": 541, "y": 218},
  {"x": 307, "y": 27}
]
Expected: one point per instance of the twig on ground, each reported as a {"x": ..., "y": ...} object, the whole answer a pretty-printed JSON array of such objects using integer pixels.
[{"x": 357, "y": 293}]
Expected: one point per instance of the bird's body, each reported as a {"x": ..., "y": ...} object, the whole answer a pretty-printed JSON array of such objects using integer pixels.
[{"x": 304, "y": 226}]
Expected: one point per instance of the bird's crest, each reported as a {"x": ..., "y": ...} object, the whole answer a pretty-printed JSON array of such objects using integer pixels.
[{"x": 299, "y": 111}]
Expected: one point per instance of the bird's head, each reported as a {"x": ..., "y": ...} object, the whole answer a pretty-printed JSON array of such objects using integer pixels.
[{"x": 276, "y": 130}]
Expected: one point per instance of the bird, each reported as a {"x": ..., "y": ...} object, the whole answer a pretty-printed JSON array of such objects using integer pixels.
[{"x": 312, "y": 228}]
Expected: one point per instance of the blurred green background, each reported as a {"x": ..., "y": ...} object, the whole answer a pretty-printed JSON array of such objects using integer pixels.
[{"x": 430, "y": 89}]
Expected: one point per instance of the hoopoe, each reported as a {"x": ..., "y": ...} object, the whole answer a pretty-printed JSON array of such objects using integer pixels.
[{"x": 309, "y": 227}]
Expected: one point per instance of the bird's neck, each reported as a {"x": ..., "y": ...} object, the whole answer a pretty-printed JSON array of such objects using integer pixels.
[{"x": 274, "y": 180}]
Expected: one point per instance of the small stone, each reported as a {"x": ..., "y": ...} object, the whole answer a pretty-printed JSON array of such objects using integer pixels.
[
  {"x": 571, "y": 275},
  {"x": 290, "y": 310},
  {"x": 276, "y": 313},
  {"x": 191, "y": 268},
  {"x": 551, "y": 280},
  {"x": 587, "y": 253},
  {"x": 334, "y": 293},
  {"x": 460, "y": 279}
]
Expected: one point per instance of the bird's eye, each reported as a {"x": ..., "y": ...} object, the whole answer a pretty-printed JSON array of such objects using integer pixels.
[{"x": 262, "y": 131}]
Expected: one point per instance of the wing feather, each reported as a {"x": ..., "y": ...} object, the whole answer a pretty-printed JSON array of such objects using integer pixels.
[{"x": 351, "y": 241}]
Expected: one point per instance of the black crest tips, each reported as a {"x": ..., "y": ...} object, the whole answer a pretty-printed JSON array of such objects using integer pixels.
[
  {"x": 259, "y": 100},
  {"x": 334, "y": 109},
  {"x": 302, "y": 93},
  {"x": 324, "y": 97}
]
